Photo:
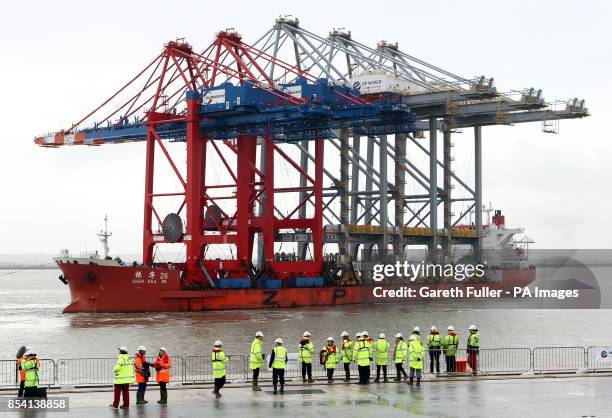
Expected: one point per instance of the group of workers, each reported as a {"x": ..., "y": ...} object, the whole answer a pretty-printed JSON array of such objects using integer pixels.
[{"x": 363, "y": 351}]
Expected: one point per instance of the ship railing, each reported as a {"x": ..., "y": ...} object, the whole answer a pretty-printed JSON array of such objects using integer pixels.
[{"x": 9, "y": 373}]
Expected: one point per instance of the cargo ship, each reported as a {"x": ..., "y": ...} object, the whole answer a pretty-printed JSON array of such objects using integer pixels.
[{"x": 100, "y": 283}]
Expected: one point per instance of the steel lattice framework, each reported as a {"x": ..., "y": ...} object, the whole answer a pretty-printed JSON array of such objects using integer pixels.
[{"x": 354, "y": 202}]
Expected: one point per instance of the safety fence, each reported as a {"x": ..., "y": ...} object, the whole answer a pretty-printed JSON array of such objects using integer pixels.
[{"x": 198, "y": 369}]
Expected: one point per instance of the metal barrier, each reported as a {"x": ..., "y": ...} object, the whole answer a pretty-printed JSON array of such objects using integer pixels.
[
  {"x": 9, "y": 374},
  {"x": 199, "y": 368},
  {"x": 558, "y": 359},
  {"x": 598, "y": 358},
  {"x": 97, "y": 371}
]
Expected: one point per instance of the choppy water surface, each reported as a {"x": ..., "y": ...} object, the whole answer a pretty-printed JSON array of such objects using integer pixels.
[{"x": 31, "y": 304}]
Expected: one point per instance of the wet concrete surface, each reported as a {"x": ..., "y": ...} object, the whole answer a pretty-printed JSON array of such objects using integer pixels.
[{"x": 589, "y": 396}]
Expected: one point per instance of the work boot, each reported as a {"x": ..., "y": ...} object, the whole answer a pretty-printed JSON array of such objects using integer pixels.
[
  {"x": 311, "y": 380},
  {"x": 303, "y": 380},
  {"x": 217, "y": 394},
  {"x": 346, "y": 379},
  {"x": 385, "y": 380},
  {"x": 282, "y": 391},
  {"x": 410, "y": 381},
  {"x": 377, "y": 380},
  {"x": 256, "y": 388},
  {"x": 418, "y": 383},
  {"x": 163, "y": 397},
  {"x": 274, "y": 390},
  {"x": 139, "y": 398}
]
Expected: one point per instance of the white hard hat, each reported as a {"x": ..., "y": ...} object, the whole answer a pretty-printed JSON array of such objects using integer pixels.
[
  {"x": 330, "y": 339},
  {"x": 306, "y": 334},
  {"x": 399, "y": 335},
  {"x": 344, "y": 334},
  {"x": 416, "y": 329},
  {"x": 122, "y": 348},
  {"x": 451, "y": 328},
  {"x": 433, "y": 328},
  {"x": 259, "y": 334},
  {"x": 364, "y": 333},
  {"x": 28, "y": 352},
  {"x": 473, "y": 327},
  {"x": 142, "y": 348},
  {"x": 162, "y": 349},
  {"x": 32, "y": 352},
  {"x": 382, "y": 336},
  {"x": 218, "y": 343},
  {"x": 278, "y": 341},
  {"x": 358, "y": 335}
]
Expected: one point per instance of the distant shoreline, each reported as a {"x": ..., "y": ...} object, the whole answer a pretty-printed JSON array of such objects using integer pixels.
[{"x": 22, "y": 267}]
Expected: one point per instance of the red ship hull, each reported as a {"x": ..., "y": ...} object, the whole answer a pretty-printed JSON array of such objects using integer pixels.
[{"x": 96, "y": 288}]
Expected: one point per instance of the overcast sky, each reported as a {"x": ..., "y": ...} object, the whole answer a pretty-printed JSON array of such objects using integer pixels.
[{"x": 59, "y": 59}]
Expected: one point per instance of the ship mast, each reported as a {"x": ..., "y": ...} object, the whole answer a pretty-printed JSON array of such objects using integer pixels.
[{"x": 103, "y": 235}]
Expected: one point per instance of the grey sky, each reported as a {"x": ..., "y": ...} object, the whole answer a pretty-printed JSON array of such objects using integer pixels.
[{"x": 61, "y": 58}]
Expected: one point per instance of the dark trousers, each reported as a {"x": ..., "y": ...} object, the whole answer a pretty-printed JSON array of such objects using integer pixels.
[
  {"x": 219, "y": 382},
  {"x": 307, "y": 370},
  {"x": 255, "y": 375},
  {"x": 450, "y": 363},
  {"x": 347, "y": 371},
  {"x": 414, "y": 371},
  {"x": 142, "y": 387},
  {"x": 31, "y": 392},
  {"x": 434, "y": 359},
  {"x": 330, "y": 374},
  {"x": 278, "y": 375},
  {"x": 364, "y": 374},
  {"x": 122, "y": 389},
  {"x": 384, "y": 369},
  {"x": 399, "y": 367},
  {"x": 472, "y": 360},
  {"x": 21, "y": 389}
]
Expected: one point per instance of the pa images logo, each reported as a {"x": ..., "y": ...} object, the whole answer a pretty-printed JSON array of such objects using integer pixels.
[
  {"x": 357, "y": 85},
  {"x": 604, "y": 354}
]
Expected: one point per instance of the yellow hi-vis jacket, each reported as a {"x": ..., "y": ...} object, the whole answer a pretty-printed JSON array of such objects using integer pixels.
[
  {"x": 415, "y": 353},
  {"x": 219, "y": 359},
  {"x": 401, "y": 350},
  {"x": 362, "y": 352},
  {"x": 382, "y": 352},
  {"x": 305, "y": 352},
  {"x": 124, "y": 370},
  {"x": 347, "y": 351},
  {"x": 31, "y": 366},
  {"x": 256, "y": 360}
]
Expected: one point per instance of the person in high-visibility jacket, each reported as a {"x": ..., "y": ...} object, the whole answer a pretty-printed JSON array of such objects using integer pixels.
[
  {"x": 256, "y": 359},
  {"x": 450, "y": 344},
  {"x": 381, "y": 346},
  {"x": 434, "y": 345},
  {"x": 124, "y": 376},
  {"x": 30, "y": 365},
  {"x": 362, "y": 355},
  {"x": 415, "y": 359},
  {"x": 473, "y": 347},
  {"x": 329, "y": 358},
  {"x": 219, "y": 359},
  {"x": 347, "y": 355},
  {"x": 399, "y": 355},
  {"x": 278, "y": 363},
  {"x": 143, "y": 373},
  {"x": 305, "y": 354},
  {"x": 162, "y": 365},
  {"x": 22, "y": 373}
]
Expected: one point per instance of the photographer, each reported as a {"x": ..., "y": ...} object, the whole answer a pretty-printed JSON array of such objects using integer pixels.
[{"x": 143, "y": 373}]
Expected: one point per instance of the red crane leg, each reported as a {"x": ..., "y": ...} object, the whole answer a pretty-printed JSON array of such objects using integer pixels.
[
  {"x": 246, "y": 149},
  {"x": 194, "y": 191},
  {"x": 317, "y": 220},
  {"x": 147, "y": 238},
  {"x": 269, "y": 226}
]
